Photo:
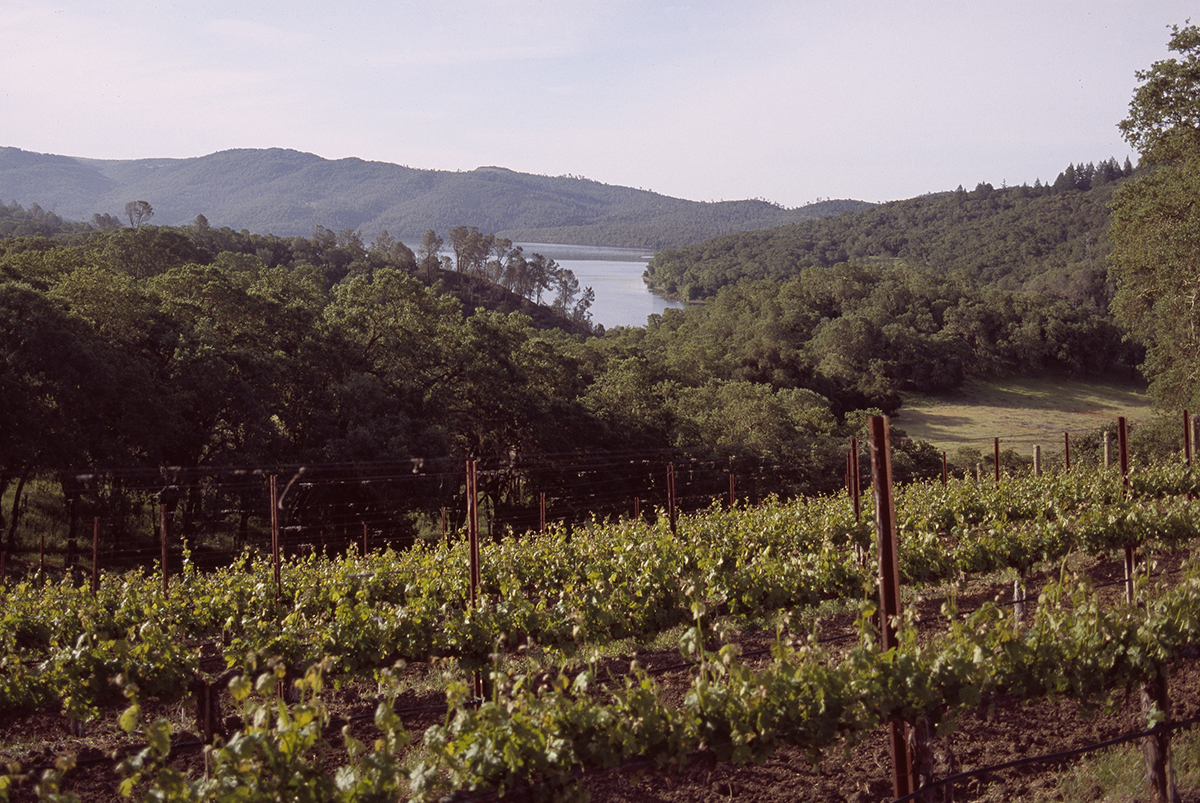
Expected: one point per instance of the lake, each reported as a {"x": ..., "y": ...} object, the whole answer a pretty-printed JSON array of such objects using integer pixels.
[{"x": 615, "y": 274}]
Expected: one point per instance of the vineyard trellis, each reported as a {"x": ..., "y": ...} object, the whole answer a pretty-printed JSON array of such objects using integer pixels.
[
  {"x": 214, "y": 512},
  {"x": 786, "y": 556}
]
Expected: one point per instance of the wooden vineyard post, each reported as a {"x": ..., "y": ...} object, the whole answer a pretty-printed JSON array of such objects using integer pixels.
[
  {"x": 1130, "y": 549},
  {"x": 1196, "y": 432},
  {"x": 542, "y": 512},
  {"x": 473, "y": 556},
  {"x": 366, "y": 546},
  {"x": 854, "y": 480},
  {"x": 945, "y": 471},
  {"x": 637, "y": 508},
  {"x": 854, "y": 489},
  {"x": 1123, "y": 449},
  {"x": 1187, "y": 438},
  {"x": 1037, "y": 460},
  {"x": 162, "y": 525},
  {"x": 473, "y": 530},
  {"x": 889, "y": 586},
  {"x": 1067, "y": 451},
  {"x": 732, "y": 489},
  {"x": 443, "y": 523},
  {"x": 997, "y": 460},
  {"x": 275, "y": 537},
  {"x": 671, "y": 517},
  {"x": 1156, "y": 749},
  {"x": 95, "y": 555}
]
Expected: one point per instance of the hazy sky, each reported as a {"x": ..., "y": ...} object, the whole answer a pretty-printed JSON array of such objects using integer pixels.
[{"x": 788, "y": 101}]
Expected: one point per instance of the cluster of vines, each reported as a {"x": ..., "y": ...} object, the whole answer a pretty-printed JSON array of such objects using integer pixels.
[{"x": 63, "y": 644}]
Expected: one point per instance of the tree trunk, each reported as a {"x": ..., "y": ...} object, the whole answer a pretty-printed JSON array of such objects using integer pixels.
[
  {"x": 5, "y": 480},
  {"x": 1156, "y": 749},
  {"x": 1019, "y": 598},
  {"x": 15, "y": 518},
  {"x": 920, "y": 739}
]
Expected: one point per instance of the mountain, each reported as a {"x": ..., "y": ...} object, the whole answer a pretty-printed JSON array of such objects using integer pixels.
[{"x": 289, "y": 193}]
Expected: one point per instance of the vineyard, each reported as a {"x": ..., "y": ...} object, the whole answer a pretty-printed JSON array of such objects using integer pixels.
[{"x": 220, "y": 682}]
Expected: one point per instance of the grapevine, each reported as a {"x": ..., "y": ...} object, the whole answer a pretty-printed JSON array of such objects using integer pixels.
[{"x": 61, "y": 644}]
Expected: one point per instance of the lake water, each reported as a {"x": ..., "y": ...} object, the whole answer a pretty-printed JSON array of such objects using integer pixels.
[{"x": 615, "y": 274}]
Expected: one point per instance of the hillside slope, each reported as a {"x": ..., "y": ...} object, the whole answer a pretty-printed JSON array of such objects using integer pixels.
[
  {"x": 288, "y": 193},
  {"x": 1051, "y": 239}
]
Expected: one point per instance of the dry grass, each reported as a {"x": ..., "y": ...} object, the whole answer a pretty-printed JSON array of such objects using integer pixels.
[
  {"x": 1020, "y": 411},
  {"x": 1118, "y": 775}
]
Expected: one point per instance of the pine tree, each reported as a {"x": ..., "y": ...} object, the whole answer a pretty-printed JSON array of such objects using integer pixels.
[{"x": 1066, "y": 180}]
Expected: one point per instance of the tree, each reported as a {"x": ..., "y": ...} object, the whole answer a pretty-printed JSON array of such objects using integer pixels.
[
  {"x": 393, "y": 253},
  {"x": 105, "y": 221},
  {"x": 138, "y": 212},
  {"x": 1164, "y": 115},
  {"x": 460, "y": 237},
  {"x": 541, "y": 274},
  {"x": 566, "y": 289},
  {"x": 471, "y": 248},
  {"x": 580, "y": 312},
  {"x": 63, "y": 391},
  {"x": 428, "y": 252},
  {"x": 1155, "y": 231},
  {"x": 502, "y": 253},
  {"x": 1067, "y": 180},
  {"x": 402, "y": 333},
  {"x": 146, "y": 252}
]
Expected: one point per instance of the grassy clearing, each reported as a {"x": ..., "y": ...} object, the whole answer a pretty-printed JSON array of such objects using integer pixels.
[
  {"x": 1023, "y": 410},
  {"x": 1118, "y": 775}
]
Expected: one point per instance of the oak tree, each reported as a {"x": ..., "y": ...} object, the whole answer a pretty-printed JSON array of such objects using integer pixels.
[{"x": 1155, "y": 231}]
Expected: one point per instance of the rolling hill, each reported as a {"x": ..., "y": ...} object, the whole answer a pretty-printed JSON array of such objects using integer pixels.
[
  {"x": 1048, "y": 238},
  {"x": 289, "y": 193}
]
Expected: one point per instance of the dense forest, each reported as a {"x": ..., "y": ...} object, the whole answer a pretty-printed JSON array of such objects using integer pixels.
[
  {"x": 131, "y": 345},
  {"x": 1048, "y": 238},
  {"x": 290, "y": 193}
]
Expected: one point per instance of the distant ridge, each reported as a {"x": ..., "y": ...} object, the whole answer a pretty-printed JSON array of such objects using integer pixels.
[{"x": 289, "y": 193}]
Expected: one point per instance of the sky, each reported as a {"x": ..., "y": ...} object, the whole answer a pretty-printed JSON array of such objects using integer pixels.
[{"x": 789, "y": 101}]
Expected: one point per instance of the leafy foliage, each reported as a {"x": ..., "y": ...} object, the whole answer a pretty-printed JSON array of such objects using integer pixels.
[
  {"x": 62, "y": 643},
  {"x": 203, "y": 348},
  {"x": 537, "y": 734},
  {"x": 1048, "y": 238},
  {"x": 859, "y": 335},
  {"x": 1156, "y": 261}
]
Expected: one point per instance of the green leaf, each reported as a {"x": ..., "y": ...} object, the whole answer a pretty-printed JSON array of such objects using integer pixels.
[{"x": 130, "y": 717}]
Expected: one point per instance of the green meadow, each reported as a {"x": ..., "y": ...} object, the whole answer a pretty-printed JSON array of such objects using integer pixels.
[{"x": 1021, "y": 411}]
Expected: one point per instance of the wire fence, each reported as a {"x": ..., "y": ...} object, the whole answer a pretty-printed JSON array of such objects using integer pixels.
[{"x": 116, "y": 517}]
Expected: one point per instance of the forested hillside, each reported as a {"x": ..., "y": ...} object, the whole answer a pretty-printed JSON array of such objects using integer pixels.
[
  {"x": 289, "y": 193},
  {"x": 201, "y": 347},
  {"x": 1049, "y": 238}
]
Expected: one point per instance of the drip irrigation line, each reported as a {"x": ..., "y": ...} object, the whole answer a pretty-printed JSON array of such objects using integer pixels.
[
  {"x": 1058, "y": 757},
  {"x": 1166, "y": 727},
  {"x": 1065, "y": 755},
  {"x": 400, "y": 712}
]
